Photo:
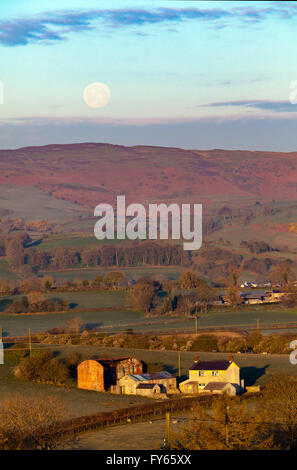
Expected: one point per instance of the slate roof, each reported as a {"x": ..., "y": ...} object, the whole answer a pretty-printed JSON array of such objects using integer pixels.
[
  {"x": 212, "y": 386},
  {"x": 155, "y": 376},
  {"x": 146, "y": 386},
  {"x": 253, "y": 296},
  {"x": 210, "y": 365}
]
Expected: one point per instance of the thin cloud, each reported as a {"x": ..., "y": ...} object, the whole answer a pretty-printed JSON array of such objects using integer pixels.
[
  {"x": 283, "y": 106},
  {"x": 273, "y": 133},
  {"x": 53, "y": 27}
]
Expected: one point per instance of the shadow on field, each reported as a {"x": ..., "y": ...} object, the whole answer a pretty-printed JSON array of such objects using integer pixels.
[
  {"x": 252, "y": 374},
  {"x": 151, "y": 367},
  {"x": 35, "y": 243},
  {"x": 92, "y": 326},
  {"x": 4, "y": 304},
  {"x": 73, "y": 305}
]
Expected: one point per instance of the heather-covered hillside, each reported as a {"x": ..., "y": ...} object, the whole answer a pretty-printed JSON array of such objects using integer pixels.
[{"x": 90, "y": 173}]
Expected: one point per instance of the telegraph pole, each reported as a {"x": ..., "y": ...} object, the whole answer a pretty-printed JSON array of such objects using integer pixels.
[
  {"x": 179, "y": 373},
  {"x": 227, "y": 425},
  {"x": 196, "y": 324},
  {"x": 168, "y": 440},
  {"x": 30, "y": 344}
]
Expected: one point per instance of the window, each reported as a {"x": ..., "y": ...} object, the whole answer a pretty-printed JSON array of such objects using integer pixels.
[
  {"x": 201, "y": 373},
  {"x": 201, "y": 385},
  {"x": 214, "y": 372}
]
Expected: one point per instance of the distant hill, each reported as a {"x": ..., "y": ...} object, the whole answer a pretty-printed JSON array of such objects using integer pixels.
[{"x": 90, "y": 173}]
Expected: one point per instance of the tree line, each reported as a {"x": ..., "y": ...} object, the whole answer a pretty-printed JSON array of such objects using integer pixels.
[{"x": 24, "y": 258}]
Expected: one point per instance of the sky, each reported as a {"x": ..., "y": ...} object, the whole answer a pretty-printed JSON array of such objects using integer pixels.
[{"x": 191, "y": 74}]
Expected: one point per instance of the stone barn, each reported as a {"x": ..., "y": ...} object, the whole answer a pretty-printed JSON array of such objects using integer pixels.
[
  {"x": 148, "y": 384},
  {"x": 102, "y": 374}
]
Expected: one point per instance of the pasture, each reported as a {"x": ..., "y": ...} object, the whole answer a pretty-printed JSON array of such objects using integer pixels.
[
  {"x": 77, "y": 402},
  {"x": 255, "y": 369},
  {"x": 30, "y": 203},
  {"x": 77, "y": 240},
  {"x": 5, "y": 272},
  {"x": 108, "y": 310},
  {"x": 135, "y": 272}
]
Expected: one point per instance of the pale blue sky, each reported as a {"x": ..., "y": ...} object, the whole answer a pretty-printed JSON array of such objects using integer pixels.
[{"x": 180, "y": 73}]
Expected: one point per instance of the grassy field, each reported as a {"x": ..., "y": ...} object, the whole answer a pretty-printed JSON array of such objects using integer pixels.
[
  {"x": 5, "y": 271},
  {"x": 77, "y": 402},
  {"x": 148, "y": 435},
  {"x": 84, "y": 240},
  {"x": 108, "y": 310},
  {"x": 30, "y": 203},
  {"x": 87, "y": 305},
  {"x": 255, "y": 369},
  {"x": 169, "y": 272}
]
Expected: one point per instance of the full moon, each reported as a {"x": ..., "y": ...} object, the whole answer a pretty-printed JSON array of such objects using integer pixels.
[{"x": 96, "y": 95}]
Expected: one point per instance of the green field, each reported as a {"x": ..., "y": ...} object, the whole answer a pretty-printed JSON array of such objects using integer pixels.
[
  {"x": 30, "y": 203},
  {"x": 84, "y": 240},
  {"x": 5, "y": 271},
  {"x": 169, "y": 272},
  {"x": 77, "y": 402},
  {"x": 255, "y": 369},
  {"x": 108, "y": 310},
  {"x": 87, "y": 305}
]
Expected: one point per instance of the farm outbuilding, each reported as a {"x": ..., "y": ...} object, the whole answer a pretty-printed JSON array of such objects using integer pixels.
[
  {"x": 147, "y": 390},
  {"x": 220, "y": 387},
  {"x": 102, "y": 374},
  {"x": 144, "y": 384}
]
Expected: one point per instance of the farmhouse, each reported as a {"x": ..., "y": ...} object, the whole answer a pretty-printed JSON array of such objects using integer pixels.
[
  {"x": 148, "y": 384},
  {"x": 102, "y": 374},
  {"x": 213, "y": 377}
]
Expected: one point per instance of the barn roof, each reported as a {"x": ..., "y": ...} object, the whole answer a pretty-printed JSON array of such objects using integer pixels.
[
  {"x": 253, "y": 296},
  {"x": 112, "y": 361},
  {"x": 210, "y": 365}
]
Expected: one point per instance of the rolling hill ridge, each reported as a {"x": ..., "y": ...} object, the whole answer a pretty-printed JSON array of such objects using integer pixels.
[{"x": 90, "y": 173}]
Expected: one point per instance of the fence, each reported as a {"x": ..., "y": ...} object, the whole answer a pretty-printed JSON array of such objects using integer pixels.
[
  {"x": 135, "y": 414},
  {"x": 127, "y": 415}
]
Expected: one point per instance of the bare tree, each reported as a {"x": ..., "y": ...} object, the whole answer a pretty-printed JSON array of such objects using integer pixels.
[
  {"x": 74, "y": 325},
  {"x": 281, "y": 401},
  {"x": 228, "y": 426},
  {"x": 30, "y": 422},
  {"x": 282, "y": 274}
]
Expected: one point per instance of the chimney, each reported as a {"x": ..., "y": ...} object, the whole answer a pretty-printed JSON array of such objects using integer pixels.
[
  {"x": 231, "y": 358},
  {"x": 196, "y": 358}
]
